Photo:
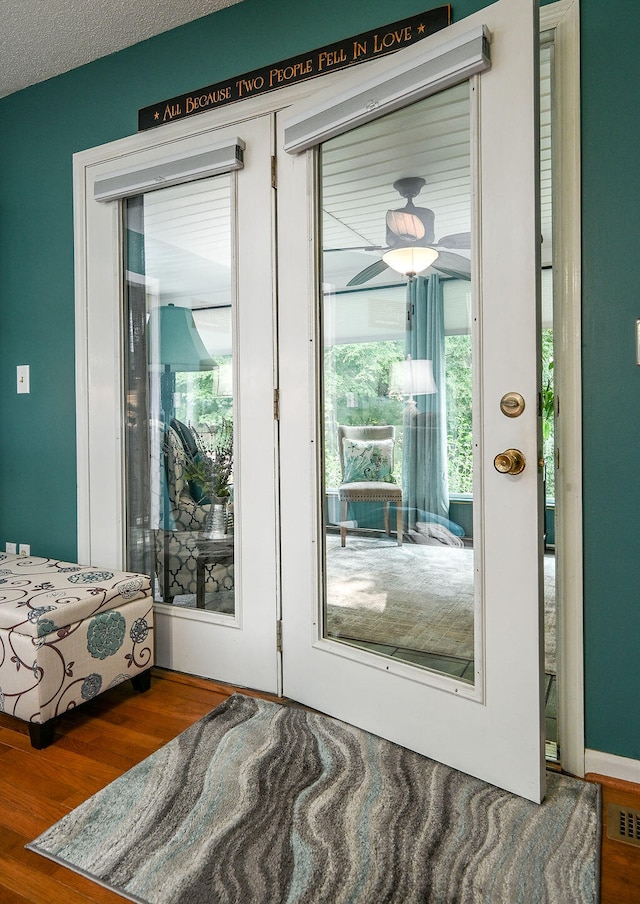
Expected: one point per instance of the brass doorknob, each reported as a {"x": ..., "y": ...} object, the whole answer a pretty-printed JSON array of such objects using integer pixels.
[{"x": 512, "y": 461}]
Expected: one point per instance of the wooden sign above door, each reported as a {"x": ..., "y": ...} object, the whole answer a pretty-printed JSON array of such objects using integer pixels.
[{"x": 342, "y": 54}]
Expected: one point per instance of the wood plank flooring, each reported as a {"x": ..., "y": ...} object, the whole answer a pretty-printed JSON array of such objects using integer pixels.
[
  {"x": 620, "y": 866},
  {"x": 94, "y": 745},
  {"x": 102, "y": 739}
]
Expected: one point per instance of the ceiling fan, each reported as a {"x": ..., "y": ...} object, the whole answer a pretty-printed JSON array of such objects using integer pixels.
[{"x": 411, "y": 247}]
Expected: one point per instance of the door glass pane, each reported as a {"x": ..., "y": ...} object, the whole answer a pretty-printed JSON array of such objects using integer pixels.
[
  {"x": 179, "y": 393},
  {"x": 397, "y": 386}
]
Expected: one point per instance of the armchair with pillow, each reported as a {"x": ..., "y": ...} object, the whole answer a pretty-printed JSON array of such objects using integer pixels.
[
  {"x": 366, "y": 460},
  {"x": 188, "y": 504}
]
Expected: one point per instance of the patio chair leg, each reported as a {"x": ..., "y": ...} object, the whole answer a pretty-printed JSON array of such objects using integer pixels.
[
  {"x": 386, "y": 519},
  {"x": 399, "y": 524},
  {"x": 343, "y": 518}
]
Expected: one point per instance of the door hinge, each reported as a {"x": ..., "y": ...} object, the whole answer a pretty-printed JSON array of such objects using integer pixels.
[
  {"x": 279, "y": 636},
  {"x": 276, "y": 404},
  {"x": 274, "y": 172}
]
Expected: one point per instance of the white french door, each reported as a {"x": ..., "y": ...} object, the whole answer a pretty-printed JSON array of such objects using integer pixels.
[
  {"x": 230, "y": 634},
  {"x": 487, "y": 721},
  {"x": 196, "y": 258}
]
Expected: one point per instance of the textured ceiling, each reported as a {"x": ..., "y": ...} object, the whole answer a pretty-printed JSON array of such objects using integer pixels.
[{"x": 43, "y": 38}]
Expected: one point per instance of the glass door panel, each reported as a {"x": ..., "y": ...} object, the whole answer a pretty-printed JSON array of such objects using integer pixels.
[
  {"x": 397, "y": 386},
  {"x": 179, "y": 393}
]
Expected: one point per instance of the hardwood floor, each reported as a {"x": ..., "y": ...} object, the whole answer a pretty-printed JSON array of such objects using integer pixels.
[
  {"x": 99, "y": 741},
  {"x": 620, "y": 868},
  {"x": 94, "y": 745}
]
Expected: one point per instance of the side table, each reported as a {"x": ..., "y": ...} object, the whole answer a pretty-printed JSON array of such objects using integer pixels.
[{"x": 218, "y": 551}]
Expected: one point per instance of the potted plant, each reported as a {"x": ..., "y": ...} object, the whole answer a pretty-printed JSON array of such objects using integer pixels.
[
  {"x": 218, "y": 462},
  {"x": 210, "y": 469}
]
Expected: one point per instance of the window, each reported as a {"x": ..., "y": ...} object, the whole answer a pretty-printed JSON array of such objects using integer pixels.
[{"x": 179, "y": 392}]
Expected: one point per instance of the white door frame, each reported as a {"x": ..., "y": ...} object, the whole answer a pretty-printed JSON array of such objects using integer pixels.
[
  {"x": 563, "y": 18},
  {"x": 100, "y": 503}
]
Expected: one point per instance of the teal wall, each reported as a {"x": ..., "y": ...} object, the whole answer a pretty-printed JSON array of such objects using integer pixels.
[
  {"x": 41, "y": 127},
  {"x": 611, "y": 377}
]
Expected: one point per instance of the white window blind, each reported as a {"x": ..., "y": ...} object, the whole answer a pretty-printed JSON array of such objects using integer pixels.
[
  {"x": 185, "y": 167},
  {"x": 421, "y": 73}
]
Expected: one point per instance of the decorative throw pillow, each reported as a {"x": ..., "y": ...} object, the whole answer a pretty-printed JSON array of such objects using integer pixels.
[{"x": 367, "y": 460}]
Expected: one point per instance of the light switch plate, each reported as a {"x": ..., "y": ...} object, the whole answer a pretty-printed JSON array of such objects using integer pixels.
[{"x": 23, "y": 378}]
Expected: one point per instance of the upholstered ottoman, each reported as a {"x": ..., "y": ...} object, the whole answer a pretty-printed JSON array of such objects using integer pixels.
[{"x": 67, "y": 633}]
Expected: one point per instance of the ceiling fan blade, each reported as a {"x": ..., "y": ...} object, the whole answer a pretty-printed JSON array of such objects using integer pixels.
[
  {"x": 460, "y": 240},
  {"x": 368, "y": 273},
  {"x": 449, "y": 264},
  {"x": 355, "y": 248}
]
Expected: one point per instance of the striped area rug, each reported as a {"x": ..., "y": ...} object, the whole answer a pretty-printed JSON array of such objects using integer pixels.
[{"x": 260, "y": 803}]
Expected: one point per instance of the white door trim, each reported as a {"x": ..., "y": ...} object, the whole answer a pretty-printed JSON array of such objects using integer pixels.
[
  {"x": 564, "y": 18},
  {"x": 620, "y": 767}
]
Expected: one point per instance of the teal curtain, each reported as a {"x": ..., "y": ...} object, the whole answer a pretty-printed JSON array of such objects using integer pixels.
[{"x": 424, "y": 454}]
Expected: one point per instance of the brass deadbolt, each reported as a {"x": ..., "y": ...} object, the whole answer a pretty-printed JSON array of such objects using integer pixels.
[
  {"x": 512, "y": 461},
  {"x": 512, "y": 404}
]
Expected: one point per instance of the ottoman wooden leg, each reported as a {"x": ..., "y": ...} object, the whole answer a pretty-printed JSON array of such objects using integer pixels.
[
  {"x": 41, "y": 733},
  {"x": 142, "y": 682}
]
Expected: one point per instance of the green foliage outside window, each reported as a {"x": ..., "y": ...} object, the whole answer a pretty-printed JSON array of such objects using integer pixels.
[
  {"x": 200, "y": 404},
  {"x": 459, "y": 425},
  {"x": 548, "y": 408}
]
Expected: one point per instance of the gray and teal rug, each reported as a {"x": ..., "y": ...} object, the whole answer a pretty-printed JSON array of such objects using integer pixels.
[
  {"x": 412, "y": 596},
  {"x": 260, "y": 803}
]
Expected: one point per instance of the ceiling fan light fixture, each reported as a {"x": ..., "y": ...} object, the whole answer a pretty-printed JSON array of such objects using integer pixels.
[{"x": 410, "y": 259}]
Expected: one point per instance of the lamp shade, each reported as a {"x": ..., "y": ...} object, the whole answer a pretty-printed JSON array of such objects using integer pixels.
[
  {"x": 410, "y": 259},
  {"x": 174, "y": 343},
  {"x": 413, "y": 377}
]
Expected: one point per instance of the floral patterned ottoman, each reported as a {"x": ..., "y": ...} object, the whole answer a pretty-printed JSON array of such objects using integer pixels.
[{"x": 67, "y": 633}]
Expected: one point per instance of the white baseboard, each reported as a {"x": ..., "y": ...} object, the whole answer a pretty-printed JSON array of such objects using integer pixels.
[{"x": 620, "y": 767}]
